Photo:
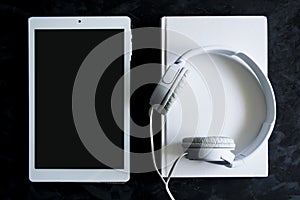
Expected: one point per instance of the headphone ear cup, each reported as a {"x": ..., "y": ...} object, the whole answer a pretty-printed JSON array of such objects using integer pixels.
[
  {"x": 213, "y": 148},
  {"x": 164, "y": 94},
  {"x": 208, "y": 142}
]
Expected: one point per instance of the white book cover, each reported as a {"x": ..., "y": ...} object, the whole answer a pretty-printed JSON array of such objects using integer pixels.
[{"x": 191, "y": 115}]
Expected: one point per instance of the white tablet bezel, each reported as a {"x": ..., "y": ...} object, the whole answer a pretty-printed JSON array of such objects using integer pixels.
[{"x": 79, "y": 175}]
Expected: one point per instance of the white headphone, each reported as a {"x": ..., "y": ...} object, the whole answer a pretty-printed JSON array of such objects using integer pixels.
[{"x": 214, "y": 148}]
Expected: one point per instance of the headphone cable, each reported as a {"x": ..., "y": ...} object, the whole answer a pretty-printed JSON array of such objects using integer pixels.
[{"x": 166, "y": 182}]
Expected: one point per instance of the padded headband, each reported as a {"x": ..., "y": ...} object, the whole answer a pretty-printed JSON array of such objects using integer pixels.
[{"x": 266, "y": 87}]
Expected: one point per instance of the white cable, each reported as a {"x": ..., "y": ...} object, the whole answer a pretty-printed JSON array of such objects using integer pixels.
[{"x": 154, "y": 161}]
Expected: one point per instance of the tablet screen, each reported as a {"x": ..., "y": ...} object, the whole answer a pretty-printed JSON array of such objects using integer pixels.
[{"x": 58, "y": 57}]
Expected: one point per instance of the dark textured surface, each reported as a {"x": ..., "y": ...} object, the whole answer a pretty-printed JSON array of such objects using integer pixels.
[{"x": 284, "y": 67}]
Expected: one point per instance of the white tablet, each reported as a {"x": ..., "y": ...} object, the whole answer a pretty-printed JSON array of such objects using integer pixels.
[{"x": 79, "y": 99}]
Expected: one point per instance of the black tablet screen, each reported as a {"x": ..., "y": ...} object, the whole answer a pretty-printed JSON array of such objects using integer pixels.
[{"x": 58, "y": 56}]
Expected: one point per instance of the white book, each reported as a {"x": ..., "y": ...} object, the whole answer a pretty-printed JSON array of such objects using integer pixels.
[{"x": 191, "y": 115}]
